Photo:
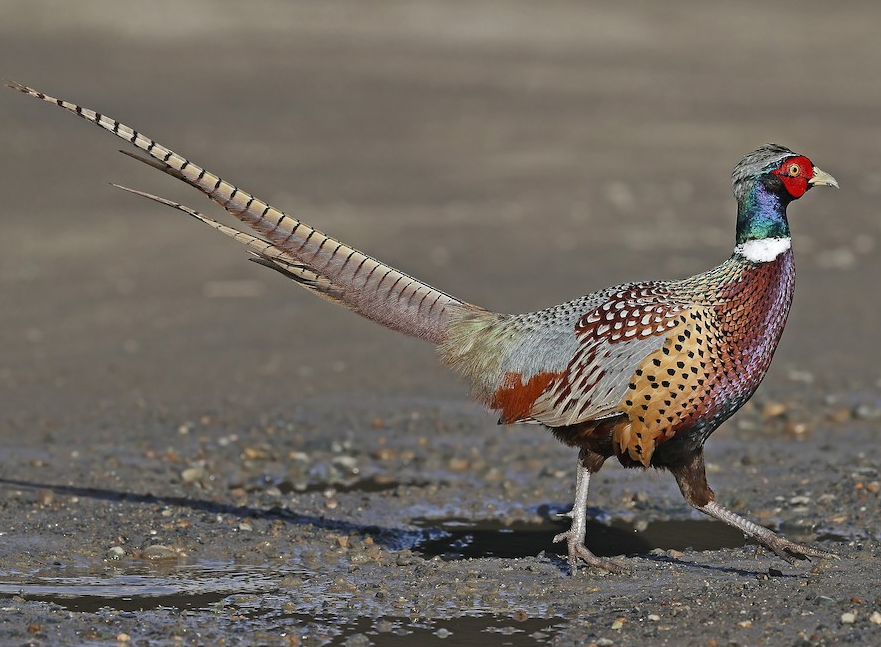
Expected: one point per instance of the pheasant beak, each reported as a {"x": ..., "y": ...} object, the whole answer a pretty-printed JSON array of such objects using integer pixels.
[{"x": 822, "y": 178}]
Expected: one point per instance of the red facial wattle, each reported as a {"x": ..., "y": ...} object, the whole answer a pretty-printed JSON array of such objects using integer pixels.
[{"x": 795, "y": 173}]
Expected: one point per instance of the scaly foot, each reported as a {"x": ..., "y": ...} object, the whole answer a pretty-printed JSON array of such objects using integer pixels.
[
  {"x": 780, "y": 546},
  {"x": 789, "y": 550},
  {"x": 577, "y": 551}
]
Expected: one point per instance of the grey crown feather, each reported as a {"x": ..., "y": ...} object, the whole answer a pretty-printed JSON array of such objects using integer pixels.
[{"x": 754, "y": 164}]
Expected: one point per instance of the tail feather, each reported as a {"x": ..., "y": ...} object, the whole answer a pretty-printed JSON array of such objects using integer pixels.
[
  {"x": 265, "y": 253},
  {"x": 319, "y": 263}
]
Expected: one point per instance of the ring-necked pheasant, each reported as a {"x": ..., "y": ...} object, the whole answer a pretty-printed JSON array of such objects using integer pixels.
[{"x": 644, "y": 372}]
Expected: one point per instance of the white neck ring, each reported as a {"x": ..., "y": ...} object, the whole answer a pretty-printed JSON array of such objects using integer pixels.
[{"x": 763, "y": 250}]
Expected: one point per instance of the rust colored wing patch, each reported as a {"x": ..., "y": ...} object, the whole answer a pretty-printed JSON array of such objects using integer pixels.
[{"x": 514, "y": 399}]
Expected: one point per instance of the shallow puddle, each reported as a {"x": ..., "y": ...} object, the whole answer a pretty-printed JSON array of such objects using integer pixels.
[
  {"x": 267, "y": 599},
  {"x": 461, "y": 538},
  {"x": 142, "y": 587},
  {"x": 456, "y": 632}
]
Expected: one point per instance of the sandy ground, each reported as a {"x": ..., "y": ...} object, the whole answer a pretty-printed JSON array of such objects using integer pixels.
[{"x": 197, "y": 452}]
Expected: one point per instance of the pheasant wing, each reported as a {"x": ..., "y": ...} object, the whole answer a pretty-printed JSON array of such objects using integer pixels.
[{"x": 613, "y": 340}]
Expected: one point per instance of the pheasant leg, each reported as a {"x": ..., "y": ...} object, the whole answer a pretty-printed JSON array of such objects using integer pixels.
[
  {"x": 574, "y": 537},
  {"x": 781, "y": 546},
  {"x": 692, "y": 480}
]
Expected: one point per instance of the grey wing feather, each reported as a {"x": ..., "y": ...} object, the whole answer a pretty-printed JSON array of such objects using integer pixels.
[{"x": 584, "y": 364}]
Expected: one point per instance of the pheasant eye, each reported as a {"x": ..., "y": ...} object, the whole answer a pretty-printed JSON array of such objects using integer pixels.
[{"x": 794, "y": 170}]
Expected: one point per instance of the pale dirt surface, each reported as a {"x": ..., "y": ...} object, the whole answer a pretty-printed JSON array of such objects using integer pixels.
[{"x": 264, "y": 465}]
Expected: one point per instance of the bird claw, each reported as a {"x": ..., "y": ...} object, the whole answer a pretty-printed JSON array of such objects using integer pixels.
[
  {"x": 577, "y": 551},
  {"x": 789, "y": 551}
]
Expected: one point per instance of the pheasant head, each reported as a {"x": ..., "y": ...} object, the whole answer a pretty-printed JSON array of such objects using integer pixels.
[{"x": 765, "y": 182}]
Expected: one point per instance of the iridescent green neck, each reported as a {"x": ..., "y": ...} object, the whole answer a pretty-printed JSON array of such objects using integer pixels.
[{"x": 761, "y": 213}]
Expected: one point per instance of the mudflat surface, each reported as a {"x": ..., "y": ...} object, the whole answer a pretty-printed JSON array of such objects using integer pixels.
[{"x": 195, "y": 451}]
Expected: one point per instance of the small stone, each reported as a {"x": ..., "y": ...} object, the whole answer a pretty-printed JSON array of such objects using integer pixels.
[
  {"x": 115, "y": 552},
  {"x": 158, "y": 552},
  {"x": 653, "y": 617},
  {"x": 848, "y": 618},
  {"x": 867, "y": 412},
  {"x": 521, "y": 616},
  {"x": 675, "y": 554},
  {"x": 384, "y": 627},
  {"x": 874, "y": 487},
  {"x": 458, "y": 464},
  {"x": 605, "y": 642},
  {"x": 746, "y": 624},
  {"x": 123, "y": 638},
  {"x": 800, "y": 500},
  {"x": 875, "y": 618},
  {"x": 773, "y": 409},
  {"x": 618, "y": 624},
  {"x": 797, "y": 428},
  {"x": 357, "y": 640},
  {"x": 405, "y": 558},
  {"x": 443, "y": 633},
  {"x": 346, "y": 462},
  {"x": 193, "y": 474},
  {"x": 839, "y": 415},
  {"x": 256, "y": 454}
]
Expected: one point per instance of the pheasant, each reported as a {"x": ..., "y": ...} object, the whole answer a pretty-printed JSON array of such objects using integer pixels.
[{"x": 644, "y": 372}]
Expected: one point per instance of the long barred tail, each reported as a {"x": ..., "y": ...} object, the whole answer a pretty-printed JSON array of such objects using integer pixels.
[{"x": 319, "y": 263}]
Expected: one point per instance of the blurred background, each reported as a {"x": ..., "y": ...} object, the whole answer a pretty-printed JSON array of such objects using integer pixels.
[{"x": 516, "y": 154}]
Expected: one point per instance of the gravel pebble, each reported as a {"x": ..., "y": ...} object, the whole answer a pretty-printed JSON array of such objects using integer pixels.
[
  {"x": 158, "y": 552},
  {"x": 867, "y": 412},
  {"x": 193, "y": 474},
  {"x": 357, "y": 640}
]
